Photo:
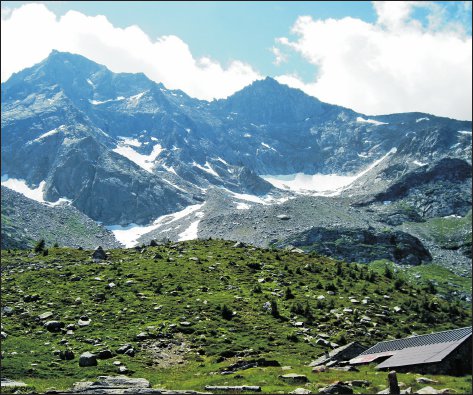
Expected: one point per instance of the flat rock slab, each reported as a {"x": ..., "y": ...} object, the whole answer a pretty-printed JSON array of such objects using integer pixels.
[
  {"x": 112, "y": 382},
  {"x": 11, "y": 383},
  {"x": 300, "y": 391},
  {"x": 254, "y": 388}
]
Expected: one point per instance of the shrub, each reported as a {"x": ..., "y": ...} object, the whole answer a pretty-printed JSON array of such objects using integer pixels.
[
  {"x": 39, "y": 247},
  {"x": 226, "y": 312}
]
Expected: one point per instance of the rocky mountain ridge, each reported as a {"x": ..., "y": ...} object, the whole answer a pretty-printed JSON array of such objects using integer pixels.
[{"x": 126, "y": 151}]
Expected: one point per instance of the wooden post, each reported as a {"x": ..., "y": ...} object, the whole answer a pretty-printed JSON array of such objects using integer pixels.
[{"x": 393, "y": 385}]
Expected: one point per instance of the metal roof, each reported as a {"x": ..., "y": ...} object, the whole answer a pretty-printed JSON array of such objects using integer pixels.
[
  {"x": 417, "y": 341},
  {"x": 415, "y": 350}
]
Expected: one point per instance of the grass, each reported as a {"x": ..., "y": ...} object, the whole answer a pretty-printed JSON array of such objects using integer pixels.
[{"x": 159, "y": 288}]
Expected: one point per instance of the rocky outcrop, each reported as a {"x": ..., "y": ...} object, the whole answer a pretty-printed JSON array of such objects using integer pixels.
[{"x": 362, "y": 245}]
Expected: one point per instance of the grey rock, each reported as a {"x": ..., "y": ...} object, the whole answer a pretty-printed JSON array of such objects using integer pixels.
[
  {"x": 54, "y": 326},
  {"x": 337, "y": 388},
  {"x": 99, "y": 254},
  {"x": 46, "y": 315},
  {"x": 4, "y": 382},
  {"x": 425, "y": 380},
  {"x": 233, "y": 388},
  {"x": 87, "y": 359},
  {"x": 301, "y": 391}
]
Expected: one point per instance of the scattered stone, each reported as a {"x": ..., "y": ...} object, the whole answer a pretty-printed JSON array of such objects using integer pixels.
[
  {"x": 54, "y": 326},
  {"x": 84, "y": 321},
  {"x": 123, "y": 348},
  {"x": 300, "y": 391},
  {"x": 428, "y": 390},
  {"x": 142, "y": 336},
  {"x": 130, "y": 352},
  {"x": 322, "y": 342},
  {"x": 425, "y": 380},
  {"x": 294, "y": 378},
  {"x": 239, "y": 244},
  {"x": 286, "y": 368},
  {"x": 283, "y": 217},
  {"x": 116, "y": 363},
  {"x": 319, "y": 369},
  {"x": 87, "y": 359},
  {"x": 122, "y": 369},
  {"x": 337, "y": 388},
  {"x": 3, "y": 335},
  {"x": 359, "y": 383},
  {"x": 233, "y": 388},
  {"x": 46, "y": 315},
  {"x": 99, "y": 254},
  {"x": 11, "y": 383}
]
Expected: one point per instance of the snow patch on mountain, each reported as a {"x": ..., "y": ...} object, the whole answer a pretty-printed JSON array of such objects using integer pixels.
[
  {"x": 268, "y": 146},
  {"x": 129, "y": 235},
  {"x": 97, "y": 102},
  {"x": 20, "y": 186},
  {"x": 422, "y": 119},
  {"x": 130, "y": 141},
  {"x": 50, "y": 133},
  {"x": 416, "y": 162},
  {"x": 207, "y": 168},
  {"x": 465, "y": 132},
  {"x": 242, "y": 206},
  {"x": 191, "y": 232},
  {"x": 144, "y": 161},
  {"x": 372, "y": 121},
  {"x": 318, "y": 184}
]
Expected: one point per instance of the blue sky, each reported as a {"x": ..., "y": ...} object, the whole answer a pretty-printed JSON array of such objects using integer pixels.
[
  {"x": 224, "y": 31},
  {"x": 342, "y": 52}
]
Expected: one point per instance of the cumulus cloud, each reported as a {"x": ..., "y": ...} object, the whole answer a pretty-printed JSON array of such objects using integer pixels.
[
  {"x": 396, "y": 64},
  {"x": 29, "y": 33}
]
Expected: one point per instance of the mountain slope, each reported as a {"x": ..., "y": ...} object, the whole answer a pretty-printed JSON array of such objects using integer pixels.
[
  {"x": 191, "y": 309},
  {"x": 25, "y": 221}
]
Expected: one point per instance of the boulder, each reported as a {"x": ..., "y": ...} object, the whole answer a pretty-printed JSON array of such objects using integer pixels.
[
  {"x": 83, "y": 321},
  {"x": 54, "y": 326},
  {"x": 99, "y": 254},
  {"x": 425, "y": 380},
  {"x": 427, "y": 390},
  {"x": 87, "y": 359},
  {"x": 336, "y": 388},
  {"x": 46, "y": 315}
]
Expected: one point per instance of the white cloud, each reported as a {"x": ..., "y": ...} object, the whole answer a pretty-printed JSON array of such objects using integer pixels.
[
  {"x": 29, "y": 33},
  {"x": 393, "y": 65}
]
